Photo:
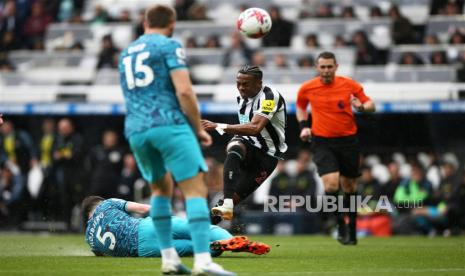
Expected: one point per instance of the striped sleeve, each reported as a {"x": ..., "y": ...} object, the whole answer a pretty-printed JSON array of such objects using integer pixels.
[{"x": 268, "y": 103}]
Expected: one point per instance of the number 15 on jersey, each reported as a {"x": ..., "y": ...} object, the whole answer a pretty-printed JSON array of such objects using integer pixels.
[{"x": 139, "y": 67}]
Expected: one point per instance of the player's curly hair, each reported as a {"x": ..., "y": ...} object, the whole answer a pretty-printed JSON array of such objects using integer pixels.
[
  {"x": 252, "y": 71},
  {"x": 88, "y": 205}
]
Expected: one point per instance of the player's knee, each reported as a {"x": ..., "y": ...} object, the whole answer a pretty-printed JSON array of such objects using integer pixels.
[
  {"x": 331, "y": 182},
  {"x": 349, "y": 186},
  {"x": 331, "y": 188},
  {"x": 236, "y": 148}
]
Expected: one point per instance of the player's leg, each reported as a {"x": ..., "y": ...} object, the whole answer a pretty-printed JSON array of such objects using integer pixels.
[
  {"x": 349, "y": 157},
  {"x": 217, "y": 233},
  {"x": 150, "y": 163},
  {"x": 236, "y": 153},
  {"x": 349, "y": 160},
  {"x": 349, "y": 186},
  {"x": 259, "y": 166},
  {"x": 181, "y": 232},
  {"x": 328, "y": 169},
  {"x": 183, "y": 158}
]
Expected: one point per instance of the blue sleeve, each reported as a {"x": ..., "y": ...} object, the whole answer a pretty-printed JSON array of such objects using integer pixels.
[
  {"x": 119, "y": 204},
  {"x": 175, "y": 56}
]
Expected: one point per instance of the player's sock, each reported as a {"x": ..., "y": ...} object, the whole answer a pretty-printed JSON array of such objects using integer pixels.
[
  {"x": 232, "y": 171},
  {"x": 341, "y": 227},
  {"x": 352, "y": 216},
  {"x": 199, "y": 225},
  {"x": 160, "y": 212}
]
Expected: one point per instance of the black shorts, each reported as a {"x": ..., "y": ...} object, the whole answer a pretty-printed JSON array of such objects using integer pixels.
[
  {"x": 340, "y": 154},
  {"x": 257, "y": 166}
]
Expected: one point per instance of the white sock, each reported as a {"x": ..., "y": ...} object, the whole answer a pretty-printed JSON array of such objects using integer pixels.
[
  {"x": 170, "y": 255},
  {"x": 202, "y": 259},
  {"x": 228, "y": 203}
]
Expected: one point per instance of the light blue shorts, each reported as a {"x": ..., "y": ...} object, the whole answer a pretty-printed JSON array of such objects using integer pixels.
[
  {"x": 168, "y": 148},
  {"x": 148, "y": 242}
]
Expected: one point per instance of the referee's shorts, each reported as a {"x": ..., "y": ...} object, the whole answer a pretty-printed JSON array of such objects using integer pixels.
[{"x": 338, "y": 154}]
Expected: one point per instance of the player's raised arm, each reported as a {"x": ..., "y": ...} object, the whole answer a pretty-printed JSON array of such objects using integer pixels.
[
  {"x": 138, "y": 208},
  {"x": 250, "y": 129},
  {"x": 189, "y": 105}
]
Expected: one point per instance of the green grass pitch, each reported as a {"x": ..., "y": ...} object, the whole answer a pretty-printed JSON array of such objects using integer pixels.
[{"x": 25, "y": 254}]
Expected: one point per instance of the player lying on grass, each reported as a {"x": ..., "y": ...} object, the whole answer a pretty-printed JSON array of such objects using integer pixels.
[{"x": 111, "y": 230}]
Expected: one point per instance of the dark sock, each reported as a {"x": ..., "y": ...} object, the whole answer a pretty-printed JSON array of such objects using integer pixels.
[
  {"x": 352, "y": 215},
  {"x": 341, "y": 229},
  {"x": 231, "y": 174}
]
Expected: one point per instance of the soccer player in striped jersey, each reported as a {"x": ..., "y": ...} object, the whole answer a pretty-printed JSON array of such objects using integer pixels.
[{"x": 258, "y": 142}]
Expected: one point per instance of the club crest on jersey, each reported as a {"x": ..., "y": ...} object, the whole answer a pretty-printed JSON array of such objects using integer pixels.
[
  {"x": 268, "y": 105},
  {"x": 340, "y": 104}
]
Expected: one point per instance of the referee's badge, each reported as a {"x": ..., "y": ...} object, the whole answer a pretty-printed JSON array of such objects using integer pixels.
[{"x": 268, "y": 105}]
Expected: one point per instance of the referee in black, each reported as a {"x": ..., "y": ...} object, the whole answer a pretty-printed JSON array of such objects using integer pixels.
[{"x": 258, "y": 142}]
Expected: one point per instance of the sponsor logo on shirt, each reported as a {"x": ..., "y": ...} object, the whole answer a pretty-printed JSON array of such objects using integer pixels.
[{"x": 268, "y": 105}]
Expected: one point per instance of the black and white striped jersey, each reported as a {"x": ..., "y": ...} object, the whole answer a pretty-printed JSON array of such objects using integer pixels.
[{"x": 270, "y": 104}]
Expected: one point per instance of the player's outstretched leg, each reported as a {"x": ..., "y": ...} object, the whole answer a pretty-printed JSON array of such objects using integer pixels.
[
  {"x": 240, "y": 244},
  {"x": 232, "y": 172}
]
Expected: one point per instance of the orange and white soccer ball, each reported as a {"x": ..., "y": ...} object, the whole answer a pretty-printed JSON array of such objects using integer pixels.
[{"x": 254, "y": 23}]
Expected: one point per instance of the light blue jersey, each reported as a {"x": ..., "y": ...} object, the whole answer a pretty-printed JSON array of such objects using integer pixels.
[
  {"x": 111, "y": 231},
  {"x": 146, "y": 83}
]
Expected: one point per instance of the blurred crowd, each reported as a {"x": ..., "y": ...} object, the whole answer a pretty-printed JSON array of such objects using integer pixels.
[
  {"x": 23, "y": 25},
  {"x": 44, "y": 177}
]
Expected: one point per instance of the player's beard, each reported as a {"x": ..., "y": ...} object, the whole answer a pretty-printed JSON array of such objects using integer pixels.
[{"x": 327, "y": 79}]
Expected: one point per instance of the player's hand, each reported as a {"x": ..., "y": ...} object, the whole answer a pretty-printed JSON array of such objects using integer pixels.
[
  {"x": 204, "y": 138},
  {"x": 306, "y": 134},
  {"x": 1, "y": 119},
  {"x": 208, "y": 125},
  {"x": 356, "y": 103}
]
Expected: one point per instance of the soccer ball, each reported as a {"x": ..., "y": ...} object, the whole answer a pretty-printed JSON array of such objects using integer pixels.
[{"x": 254, "y": 23}]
